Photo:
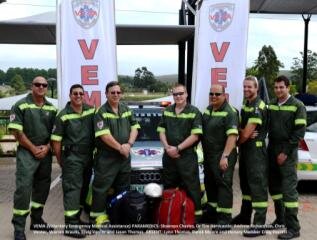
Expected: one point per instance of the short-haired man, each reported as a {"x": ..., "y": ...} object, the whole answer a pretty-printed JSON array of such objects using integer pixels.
[
  {"x": 73, "y": 143},
  {"x": 287, "y": 127},
  {"x": 253, "y": 156},
  {"x": 31, "y": 122},
  {"x": 179, "y": 130},
  {"x": 220, "y": 132},
  {"x": 116, "y": 131}
]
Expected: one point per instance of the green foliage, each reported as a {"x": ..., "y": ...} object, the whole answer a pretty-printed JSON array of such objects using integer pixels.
[
  {"x": 297, "y": 68},
  {"x": 18, "y": 84},
  {"x": 2, "y": 77},
  {"x": 312, "y": 87},
  {"x": 293, "y": 89},
  {"x": 252, "y": 71},
  {"x": 143, "y": 78},
  {"x": 267, "y": 65},
  {"x": 28, "y": 74}
]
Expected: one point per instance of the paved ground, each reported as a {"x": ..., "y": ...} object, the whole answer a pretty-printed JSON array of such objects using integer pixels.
[{"x": 54, "y": 212}]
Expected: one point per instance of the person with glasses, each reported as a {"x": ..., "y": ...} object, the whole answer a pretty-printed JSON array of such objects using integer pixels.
[
  {"x": 220, "y": 132},
  {"x": 73, "y": 143},
  {"x": 179, "y": 130},
  {"x": 31, "y": 122},
  {"x": 115, "y": 130},
  {"x": 253, "y": 161}
]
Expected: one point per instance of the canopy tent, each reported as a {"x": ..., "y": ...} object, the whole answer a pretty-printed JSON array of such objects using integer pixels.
[{"x": 8, "y": 102}]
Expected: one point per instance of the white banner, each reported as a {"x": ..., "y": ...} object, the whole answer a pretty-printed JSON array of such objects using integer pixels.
[
  {"x": 220, "y": 50},
  {"x": 86, "y": 48}
]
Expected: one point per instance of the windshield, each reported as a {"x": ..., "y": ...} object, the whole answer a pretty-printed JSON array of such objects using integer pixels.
[{"x": 148, "y": 121}]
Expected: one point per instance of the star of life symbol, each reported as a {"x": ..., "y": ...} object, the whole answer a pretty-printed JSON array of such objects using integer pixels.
[
  {"x": 86, "y": 12},
  {"x": 221, "y": 16},
  {"x": 100, "y": 124}
]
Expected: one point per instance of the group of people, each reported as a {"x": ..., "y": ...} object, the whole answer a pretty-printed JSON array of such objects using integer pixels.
[{"x": 84, "y": 138}]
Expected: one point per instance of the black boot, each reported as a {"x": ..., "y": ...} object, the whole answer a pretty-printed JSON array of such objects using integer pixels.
[
  {"x": 290, "y": 234},
  {"x": 40, "y": 225},
  {"x": 19, "y": 235},
  {"x": 209, "y": 215},
  {"x": 244, "y": 217},
  {"x": 74, "y": 231}
]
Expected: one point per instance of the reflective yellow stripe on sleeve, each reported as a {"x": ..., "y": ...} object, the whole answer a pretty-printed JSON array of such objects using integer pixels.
[
  {"x": 246, "y": 197},
  {"x": 36, "y": 205},
  {"x": 196, "y": 131},
  {"x": 103, "y": 132},
  {"x": 255, "y": 120},
  {"x": 56, "y": 138},
  {"x": 300, "y": 121},
  {"x": 136, "y": 126},
  {"x": 70, "y": 213},
  {"x": 15, "y": 126},
  {"x": 232, "y": 131},
  {"x": 160, "y": 129}
]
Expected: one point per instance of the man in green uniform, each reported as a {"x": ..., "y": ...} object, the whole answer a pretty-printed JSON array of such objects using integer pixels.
[
  {"x": 220, "y": 131},
  {"x": 116, "y": 131},
  {"x": 31, "y": 122},
  {"x": 73, "y": 143},
  {"x": 179, "y": 130},
  {"x": 253, "y": 153},
  {"x": 286, "y": 128}
]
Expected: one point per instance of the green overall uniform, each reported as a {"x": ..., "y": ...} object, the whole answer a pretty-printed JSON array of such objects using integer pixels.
[
  {"x": 76, "y": 133},
  {"x": 217, "y": 126},
  {"x": 33, "y": 176},
  {"x": 182, "y": 172},
  {"x": 254, "y": 156},
  {"x": 287, "y": 126},
  {"x": 111, "y": 168}
]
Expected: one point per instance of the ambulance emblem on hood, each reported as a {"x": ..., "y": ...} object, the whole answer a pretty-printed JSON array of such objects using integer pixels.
[
  {"x": 86, "y": 12},
  {"x": 221, "y": 16}
]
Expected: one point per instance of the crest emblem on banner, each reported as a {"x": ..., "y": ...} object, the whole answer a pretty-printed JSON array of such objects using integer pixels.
[
  {"x": 86, "y": 12},
  {"x": 221, "y": 16}
]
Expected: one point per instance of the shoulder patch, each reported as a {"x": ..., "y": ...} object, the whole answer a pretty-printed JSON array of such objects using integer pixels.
[
  {"x": 12, "y": 117},
  {"x": 100, "y": 124}
]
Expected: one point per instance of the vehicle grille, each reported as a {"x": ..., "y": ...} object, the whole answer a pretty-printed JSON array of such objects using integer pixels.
[{"x": 146, "y": 176}]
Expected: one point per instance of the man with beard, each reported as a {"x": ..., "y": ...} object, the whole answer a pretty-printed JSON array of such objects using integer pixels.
[{"x": 253, "y": 156}]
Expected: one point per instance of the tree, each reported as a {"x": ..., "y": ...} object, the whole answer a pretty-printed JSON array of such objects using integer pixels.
[
  {"x": 2, "y": 77},
  {"x": 143, "y": 78},
  {"x": 297, "y": 68},
  {"x": 18, "y": 84},
  {"x": 267, "y": 66},
  {"x": 312, "y": 87}
]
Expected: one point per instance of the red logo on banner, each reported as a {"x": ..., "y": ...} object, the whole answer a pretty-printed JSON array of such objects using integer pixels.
[
  {"x": 86, "y": 12},
  {"x": 221, "y": 16}
]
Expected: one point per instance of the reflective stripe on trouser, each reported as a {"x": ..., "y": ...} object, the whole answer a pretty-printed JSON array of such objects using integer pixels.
[
  {"x": 109, "y": 172},
  {"x": 283, "y": 180},
  {"x": 219, "y": 185},
  {"x": 33, "y": 178},
  {"x": 183, "y": 173},
  {"x": 256, "y": 163},
  {"x": 74, "y": 169}
]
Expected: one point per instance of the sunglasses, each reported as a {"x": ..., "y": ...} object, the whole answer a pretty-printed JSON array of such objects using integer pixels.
[
  {"x": 115, "y": 92},
  {"x": 178, "y": 94},
  {"x": 44, "y": 85},
  {"x": 78, "y": 93},
  {"x": 217, "y": 94}
]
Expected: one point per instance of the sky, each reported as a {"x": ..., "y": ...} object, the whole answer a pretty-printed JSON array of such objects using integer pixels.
[{"x": 285, "y": 33}]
